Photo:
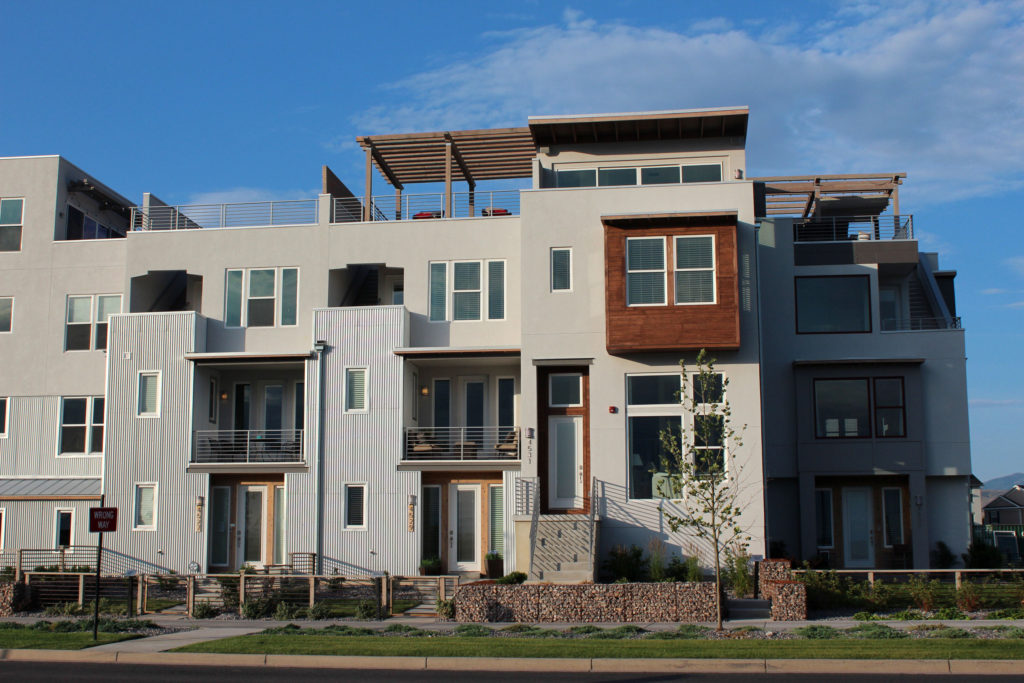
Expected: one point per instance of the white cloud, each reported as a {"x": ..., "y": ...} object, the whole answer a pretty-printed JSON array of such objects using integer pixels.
[
  {"x": 922, "y": 87},
  {"x": 714, "y": 25},
  {"x": 995, "y": 402},
  {"x": 1016, "y": 304},
  {"x": 237, "y": 195},
  {"x": 1017, "y": 263},
  {"x": 993, "y": 290}
]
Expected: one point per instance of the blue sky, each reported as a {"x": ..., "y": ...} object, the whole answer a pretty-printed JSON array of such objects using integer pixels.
[{"x": 232, "y": 101}]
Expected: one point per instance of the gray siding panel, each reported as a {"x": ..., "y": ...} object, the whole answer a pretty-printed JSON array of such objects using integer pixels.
[
  {"x": 49, "y": 487},
  {"x": 300, "y": 487},
  {"x": 30, "y": 524},
  {"x": 30, "y": 448}
]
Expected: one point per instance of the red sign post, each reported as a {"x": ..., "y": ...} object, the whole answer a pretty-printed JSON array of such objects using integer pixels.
[{"x": 101, "y": 520}]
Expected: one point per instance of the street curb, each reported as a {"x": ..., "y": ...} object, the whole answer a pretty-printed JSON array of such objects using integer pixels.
[{"x": 929, "y": 667}]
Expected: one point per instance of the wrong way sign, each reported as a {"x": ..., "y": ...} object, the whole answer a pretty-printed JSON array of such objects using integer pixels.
[{"x": 102, "y": 520}]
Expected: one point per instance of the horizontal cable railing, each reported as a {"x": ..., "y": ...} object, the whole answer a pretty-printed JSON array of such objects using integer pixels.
[
  {"x": 242, "y": 215},
  {"x": 487, "y": 203},
  {"x": 462, "y": 443},
  {"x": 915, "y": 324},
  {"x": 428, "y": 206},
  {"x": 247, "y": 446},
  {"x": 527, "y": 495},
  {"x": 857, "y": 228}
]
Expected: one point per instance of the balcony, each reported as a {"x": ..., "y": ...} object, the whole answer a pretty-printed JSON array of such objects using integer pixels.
[
  {"x": 241, "y": 215},
  {"x": 461, "y": 448},
  {"x": 219, "y": 450},
  {"x": 485, "y": 204},
  {"x": 854, "y": 228},
  {"x": 916, "y": 324}
]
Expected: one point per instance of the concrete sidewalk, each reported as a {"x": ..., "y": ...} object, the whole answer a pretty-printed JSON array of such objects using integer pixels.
[{"x": 169, "y": 641}]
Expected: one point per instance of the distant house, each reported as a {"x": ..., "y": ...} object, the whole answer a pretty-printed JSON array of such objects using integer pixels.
[{"x": 1006, "y": 508}]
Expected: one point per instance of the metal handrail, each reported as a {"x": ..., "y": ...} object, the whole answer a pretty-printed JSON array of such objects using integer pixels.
[
  {"x": 247, "y": 446},
  {"x": 235, "y": 215},
  {"x": 486, "y": 203},
  {"x": 462, "y": 443},
  {"x": 855, "y": 228},
  {"x": 919, "y": 324}
]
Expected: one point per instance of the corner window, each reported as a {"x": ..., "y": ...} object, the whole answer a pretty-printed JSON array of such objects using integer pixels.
[
  {"x": 832, "y": 304},
  {"x": 63, "y": 528},
  {"x": 82, "y": 227},
  {"x": 561, "y": 270},
  {"x": 841, "y": 409},
  {"x": 695, "y": 269},
  {"x": 6, "y": 313},
  {"x": 890, "y": 411},
  {"x": 11, "y": 213},
  {"x": 892, "y": 516},
  {"x": 87, "y": 321},
  {"x": 355, "y": 506},
  {"x": 355, "y": 390},
  {"x": 149, "y": 394},
  {"x": 81, "y": 425},
  {"x": 645, "y": 271},
  {"x": 823, "y": 518},
  {"x": 4, "y": 404},
  {"x": 261, "y": 297},
  {"x": 144, "y": 518}
]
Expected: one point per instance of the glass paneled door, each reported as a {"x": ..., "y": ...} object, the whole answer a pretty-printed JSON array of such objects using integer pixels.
[
  {"x": 565, "y": 461},
  {"x": 474, "y": 400},
  {"x": 252, "y": 525},
  {"x": 464, "y": 527},
  {"x": 858, "y": 528}
]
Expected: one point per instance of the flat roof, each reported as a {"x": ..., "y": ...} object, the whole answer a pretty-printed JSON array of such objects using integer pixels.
[
  {"x": 849, "y": 194},
  {"x": 679, "y": 124},
  {"x": 457, "y": 352},
  {"x": 243, "y": 357}
]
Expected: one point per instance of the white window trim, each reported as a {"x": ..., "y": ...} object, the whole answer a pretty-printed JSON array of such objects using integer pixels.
[
  {"x": 639, "y": 173},
  {"x": 721, "y": 172},
  {"x": 159, "y": 387},
  {"x": 344, "y": 518},
  {"x": 135, "y": 501},
  {"x": 89, "y": 453},
  {"x": 366, "y": 390},
  {"x": 490, "y": 522},
  {"x": 577, "y": 375},
  {"x": 214, "y": 403},
  {"x": 481, "y": 291},
  {"x": 3, "y": 527},
  {"x": 663, "y": 270},
  {"x": 243, "y": 315},
  {"x": 551, "y": 271},
  {"x": 94, "y": 317},
  {"x": 7, "y": 419},
  {"x": 248, "y": 297},
  {"x": 10, "y": 331},
  {"x": 56, "y": 516},
  {"x": 485, "y": 282},
  {"x": 21, "y": 240},
  {"x": 885, "y": 519},
  {"x": 832, "y": 518},
  {"x": 447, "y": 289},
  {"x": 713, "y": 269}
]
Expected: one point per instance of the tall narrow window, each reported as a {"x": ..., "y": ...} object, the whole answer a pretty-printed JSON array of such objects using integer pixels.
[
  {"x": 355, "y": 506},
  {"x": 4, "y": 403},
  {"x": 73, "y": 425},
  {"x": 6, "y": 313},
  {"x": 106, "y": 306},
  {"x": 64, "y": 528},
  {"x": 695, "y": 269},
  {"x": 300, "y": 405},
  {"x": 149, "y": 394},
  {"x": 289, "y": 296},
  {"x": 10, "y": 224},
  {"x": 279, "y": 525},
  {"x": 496, "y": 526},
  {"x": 442, "y": 403},
  {"x": 243, "y": 406},
  {"x": 561, "y": 270},
  {"x": 645, "y": 271},
  {"x": 96, "y": 425},
  {"x": 889, "y": 408},
  {"x": 892, "y": 511},
  {"x": 466, "y": 290},
  {"x": 78, "y": 330},
  {"x": 708, "y": 444},
  {"x": 355, "y": 390},
  {"x": 495, "y": 290},
  {"x": 212, "y": 408},
  {"x": 506, "y": 402},
  {"x": 823, "y": 517},
  {"x": 259, "y": 311},
  {"x": 233, "y": 299},
  {"x": 431, "y": 522},
  {"x": 438, "y": 292},
  {"x": 145, "y": 507}
]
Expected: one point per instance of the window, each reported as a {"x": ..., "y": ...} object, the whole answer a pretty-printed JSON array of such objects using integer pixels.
[
  {"x": 833, "y": 304},
  {"x": 149, "y": 394},
  {"x": 645, "y": 271},
  {"x": 648, "y": 175},
  {"x": 466, "y": 288},
  {"x": 81, "y": 425},
  {"x": 647, "y": 390},
  {"x": 576, "y": 178},
  {"x": 3, "y": 527},
  {"x": 565, "y": 390},
  {"x": 561, "y": 269},
  {"x": 63, "y": 528},
  {"x": 11, "y": 211},
  {"x": 261, "y": 297},
  {"x": 4, "y": 403},
  {"x": 438, "y": 292},
  {"x": 300, "y": 405},
  {"x": 81, "y": 227},
  {"x": 87, "y": 321},
  {"x": 355, "y": 390},
  {"x": 890, "y": 415},
  {"x": 213, "y": 401},
  {"x": 280, "y": 525},
  {"x": 6, "y": 313},
  {"x": 708, "y": 388},
  {"x": 892, "y": 516},
  {"x": 355, "y": 506},
  {"x": 695, "y": 269},
  {"x": 841, "y": 409},
  {"x": 469, "y": 290},
  {"x": 398, "y": 294},
  {"x": 823, "y": 518},
  {"x": 496, "y": 527},
  {"x": 646, "y": 480},
  {"x": 506, "y": 402},
  {"x": 702, "y": 173},
  {"x": 144, "y": 517},
  {"x": 659, "y": 175},
  {"x": 616, "y": 176},
  {"x": 495, "y": 290}
]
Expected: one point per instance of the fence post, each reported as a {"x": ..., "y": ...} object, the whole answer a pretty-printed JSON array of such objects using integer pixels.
[
  {"x": 871, "y": 579},
  {"x": 19, "y": 575},
  {"x": 61, "y": 562},
  {"x": 131, "y": 586},
  {"x": 139, "y": 595},
  {"x": 391, "y": 592},
  {"x": 241, "y": 591},
  {"x": 958, "y": 577},
  {"x": 312, "y": 591},
  {"x": 441, "y": 583},
  {"x": 81, "y": 590},
  {"x": 190, "y": 594}
]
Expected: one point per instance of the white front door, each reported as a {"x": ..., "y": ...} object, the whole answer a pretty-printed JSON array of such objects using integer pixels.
[
  {"x": 565, "y": 462},
  {"x": 251, "y": 525},
  {"x": 858, "y": 528},
  {"x": 464, "y": 528}
]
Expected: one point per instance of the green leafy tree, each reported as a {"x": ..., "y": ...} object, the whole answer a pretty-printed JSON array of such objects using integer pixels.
[{"x": 700, "y": 471}]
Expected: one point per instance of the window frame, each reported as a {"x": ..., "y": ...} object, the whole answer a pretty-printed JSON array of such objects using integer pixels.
[
  {"x": 831, "y": 518},
  {"x": 56, "y": 528},
  {"x": 676, "y": 269},
  {"x": 491, "y": 547},
  {"x": 485, "y": 282},
  {"x": 135, "y": 506},
  {"x": 94, "y": 320},
  {"x": 682, "y": 172},
  {"x": 345, "y": 521},
  {"x": 479, "y": 291},
  {"x": 663, "y": 270},
  {"x": 278, "y": 297},
  {"x": 366, "y": 390},
  {"x": 444, "y": 293},
  {"x": 483, "y": 292},
  {"x": 88, "y": 425},
  {"x": 885, "y": 518},
  {"x": 697, "y": 414},
  {"x": 10, "y": 329},
  {"x": 551, "y": 270},
  {"x": 796, "y": 303},
  {"x": 20, "y": 225},
  {"x": 138, "y": 387},
  {"x": 5, "y": 413},
  {"x": 578, "y": 376},
  {"x": 841, "y": 436},
  {"x": 875, "y": 407},
  {"x": 3, "y": 527}
]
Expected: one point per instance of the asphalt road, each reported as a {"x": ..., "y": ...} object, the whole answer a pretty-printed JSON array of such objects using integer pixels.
[{"x": 114, "y": 673}]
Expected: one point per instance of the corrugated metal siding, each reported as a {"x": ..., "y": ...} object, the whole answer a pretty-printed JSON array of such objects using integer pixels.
[
  {"x": 366, "y": 447},
  {"x": 31, "y": 523},
  {"x": 49, "y": 487},
  {"x": 300, "y": 487},
  {"x": 153, "y": 449},
  {"x": 509, "y": 479},
  {"x": 30, "y": 448}
]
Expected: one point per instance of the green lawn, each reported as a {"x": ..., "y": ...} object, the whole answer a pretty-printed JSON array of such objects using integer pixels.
[
  {"x": 448, "y": 646},
  {"x": 46, "y": 640}
]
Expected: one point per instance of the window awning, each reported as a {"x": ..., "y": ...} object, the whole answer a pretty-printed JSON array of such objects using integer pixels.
[{"x": 222, "y": 358}]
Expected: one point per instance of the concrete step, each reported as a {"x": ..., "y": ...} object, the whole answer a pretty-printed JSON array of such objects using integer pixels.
[
  {"x": 748, "y": 609},
  {"x": 574, "y": 576}
]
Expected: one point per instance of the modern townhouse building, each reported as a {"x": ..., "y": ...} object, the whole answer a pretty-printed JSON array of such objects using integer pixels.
[{"x": 374, "y": 380}]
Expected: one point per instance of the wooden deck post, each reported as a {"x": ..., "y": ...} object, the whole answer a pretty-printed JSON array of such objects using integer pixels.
[
  {"x": 958, "y": 578},
  {"x": 81, "y": 590},
  {"x": 312, "y": 591},
  {"x": 448, "y": 179},
  {"x": 871, "y": 579},
  {"x": 241, "y": 591},
  {"x": 441, "y": 583},
  {"x": 368, "y": 199}
]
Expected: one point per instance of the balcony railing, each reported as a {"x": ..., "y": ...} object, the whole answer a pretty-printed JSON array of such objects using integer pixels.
[
  {"x": 462, "y": 443},
  {"x": 914, "y": 324},
  {"x": 857, "y": 228},
  {"x": 247, "y": 447},
  {"x": 244, "y": 215},
  {"x": 428, "y": 206}
]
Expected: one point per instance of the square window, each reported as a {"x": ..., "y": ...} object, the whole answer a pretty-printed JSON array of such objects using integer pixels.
[
  {"x": 565, "y": 390},
  {"x": 841, "y": 409},
  {"x": 708, "y": 388},
  {"x": 355, "y": 390},
  {"x": 833, "y": 304},
  {"x": 355, "y": 506},
  {"x": 145, "y": 507},
  {"x": 561, "y": 270},
  {"x": 149, "y": 394}
]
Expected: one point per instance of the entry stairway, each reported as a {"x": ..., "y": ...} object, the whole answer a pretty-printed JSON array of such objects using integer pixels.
[{"x": 563, "y": 548}]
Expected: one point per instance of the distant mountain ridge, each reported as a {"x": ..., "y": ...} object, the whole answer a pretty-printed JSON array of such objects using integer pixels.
[{"x": 1004, "y": 482}]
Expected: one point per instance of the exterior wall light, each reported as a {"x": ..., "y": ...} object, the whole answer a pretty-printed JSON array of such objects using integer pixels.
[{"x": 424, "y": 390}]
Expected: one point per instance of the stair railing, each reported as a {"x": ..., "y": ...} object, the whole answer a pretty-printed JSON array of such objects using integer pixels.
[{"x": 593, "y": 527}]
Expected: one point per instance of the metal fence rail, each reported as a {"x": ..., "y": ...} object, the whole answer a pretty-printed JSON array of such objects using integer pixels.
[
  {"x": 239, "y": 215},
  {"x": 859, "y": 228},
  {"x": 247, "y": 446},
  {"x": 462, "y": 443},
  {"x": 432, "y": 205},
  {"x": 916, "y": 324}
]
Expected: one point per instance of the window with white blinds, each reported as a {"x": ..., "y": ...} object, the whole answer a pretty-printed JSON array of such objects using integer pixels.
[
  {"x": 496, "y": 525},
  {"x": 473, "y": 285},
  {"x": 145, "y": 506},
  {"x": 645, "y": 271},
  {"x": 495, "y": 290},
  {"x": 695, "y": 269},
  {"x": 438, "y": 292},
  {"x": 355, "y": 505},
  {"x": 355, "y": 390},
  {"x": 561, "y": 270},
  {"x": 466, "y": 290},
  {"x": 149, "y": 394}
]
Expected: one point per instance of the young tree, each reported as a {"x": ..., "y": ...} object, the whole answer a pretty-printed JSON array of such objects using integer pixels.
[{"x": 699, "y": 468}]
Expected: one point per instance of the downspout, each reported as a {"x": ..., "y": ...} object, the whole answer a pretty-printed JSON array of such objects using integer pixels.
[
  {"x": 760, "y": 372},
  {"x": 318, "y": 350}
]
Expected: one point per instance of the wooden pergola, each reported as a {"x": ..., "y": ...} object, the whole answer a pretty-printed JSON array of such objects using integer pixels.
[
  {"x": 823, "y": 195},
  {"x": 446, "y": 156}
]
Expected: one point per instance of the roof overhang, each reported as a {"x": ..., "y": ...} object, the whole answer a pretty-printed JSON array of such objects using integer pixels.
[
  {"x": 107, "y": 199},
  {"x": 230, "y": 358},
  {"x": 679, "y": 124},
  {"x": 857, "y": 361},
  {"x": 657, "y": 220},
  {"x": 851, "y": 194},
  {"x": 423, "y": 352}
]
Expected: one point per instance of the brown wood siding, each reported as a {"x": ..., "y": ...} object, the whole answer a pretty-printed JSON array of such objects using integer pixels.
[
  {"x": 671, "y": 327},
  {"x": 544, "y": 412},
  {"x": 885, "y": 557},
  {"x": 444, "y": 480}
]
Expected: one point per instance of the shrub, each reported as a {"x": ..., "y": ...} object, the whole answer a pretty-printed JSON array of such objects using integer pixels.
[
  {"x": 817, "y": 632},
  {"x": 866, "y": 616},
  {"x": 685, "y": 570},
  {"x": 318, "y": 611},
  {"x": 472, "y": 631},
  {"x": 907, "y": 615},
  {"x": 981, "y": 555},
  {"x": 656, "y": 550},
  {"x": 923, "y": 592},
  {"x": 948, "y": 632},
  {"x": 430, "y": 566},
  {"x": 445, "y": 609},
  {"x": 492, "y": 555},
  {"x": 286, "y": 612},
  {"x": 63, "y": 609},
  {"x": 204, "y": 610},
  {"x": 1012, "y": 613},
  {"x": 942, "y": 556},
  {"x": 950, "y": 613},
  {"x": 259, "y": 608},
  {"x": 626, "y": 563},
  {"x": 583, "y": 629},
  {"x": 512, "y": 578},
  {"x": 737, "y": 574},
  {"x": 618, "y": 633},
  {"x": 968, "y": 597},
  {"x": 827, "y": 589},
  {"x": 520, "y": 628},
  {"x": 874, "y": 631},
  {"x": 367, "y": 609}
]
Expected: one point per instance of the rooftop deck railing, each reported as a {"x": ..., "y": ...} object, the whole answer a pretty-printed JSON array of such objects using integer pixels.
[
  {"x": 916, "y": 324},
  {"x": 462, "y": 443},
  {"x": 243, "y": 215},
  {"x": 858, "y": 228},
  {"x": 428, "y": 206},
  {"x": 247, "y": 447}
]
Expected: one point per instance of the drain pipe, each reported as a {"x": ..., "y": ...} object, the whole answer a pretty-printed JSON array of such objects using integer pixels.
[
  {"x": 760, "y": 373},
  {"x": 319, "y": 349}
]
